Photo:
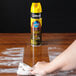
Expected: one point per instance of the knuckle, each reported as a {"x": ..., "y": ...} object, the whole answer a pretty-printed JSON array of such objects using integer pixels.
[
  {"x": 75, "y": 40},
  {"x": 38, "y": 62}
]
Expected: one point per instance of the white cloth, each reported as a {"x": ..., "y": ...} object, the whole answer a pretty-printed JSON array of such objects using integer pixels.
[{"x": 24, "y": 69}]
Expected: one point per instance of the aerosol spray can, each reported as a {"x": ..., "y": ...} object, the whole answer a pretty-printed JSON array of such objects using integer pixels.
[{"x": 36, "y": 24}]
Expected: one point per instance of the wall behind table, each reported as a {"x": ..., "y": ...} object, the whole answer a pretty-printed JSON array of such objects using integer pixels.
[{"x": 58, "y": 16}]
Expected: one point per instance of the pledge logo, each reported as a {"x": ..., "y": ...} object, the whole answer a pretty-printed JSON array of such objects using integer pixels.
[
  {"x": 36, "y": 24},
  {"x": 36, "y": 15}
]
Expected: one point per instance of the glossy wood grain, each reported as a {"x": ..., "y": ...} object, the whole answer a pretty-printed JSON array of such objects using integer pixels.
[{"x": 15, "y": 48}]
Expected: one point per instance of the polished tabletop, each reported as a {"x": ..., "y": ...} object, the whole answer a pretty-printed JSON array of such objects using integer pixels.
[{"x": 16, "y": 48}]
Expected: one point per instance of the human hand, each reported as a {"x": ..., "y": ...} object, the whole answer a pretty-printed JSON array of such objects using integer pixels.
[
  {"x": 64, "y": 62},
  {"x": 41, "y": 68}
]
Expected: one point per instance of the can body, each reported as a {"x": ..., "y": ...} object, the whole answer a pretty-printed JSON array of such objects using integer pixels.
[{"x": 36, "y": 25}]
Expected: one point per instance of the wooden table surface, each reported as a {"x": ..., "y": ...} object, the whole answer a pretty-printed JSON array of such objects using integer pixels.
[{"x": 15, "y": 48}]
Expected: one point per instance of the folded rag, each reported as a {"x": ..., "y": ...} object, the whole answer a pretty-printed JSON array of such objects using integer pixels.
[{"x": 24, "y": 69}]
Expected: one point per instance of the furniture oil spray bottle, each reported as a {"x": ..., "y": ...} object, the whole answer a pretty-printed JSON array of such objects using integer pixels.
[{"x": 36, "y": 24}]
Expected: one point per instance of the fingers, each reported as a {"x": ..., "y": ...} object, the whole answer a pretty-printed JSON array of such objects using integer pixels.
[
  {"x": 38, "y": 69},
  {"x": 38, "y": 63},
  {"x": 33, "y": 72}
]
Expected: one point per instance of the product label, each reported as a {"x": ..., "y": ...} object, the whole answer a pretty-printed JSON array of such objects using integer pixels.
[{"x": 36, "y": 31}]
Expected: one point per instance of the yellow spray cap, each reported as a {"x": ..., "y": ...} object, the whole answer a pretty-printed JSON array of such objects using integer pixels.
[{"x": 36, "y": 8}]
